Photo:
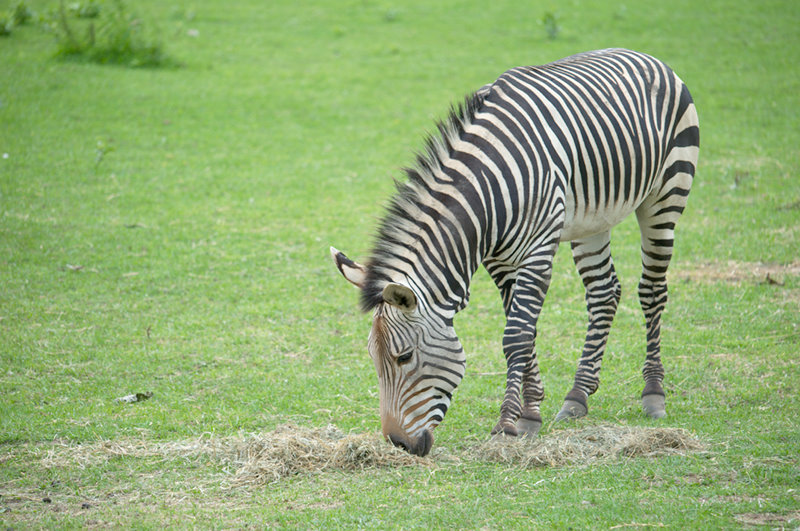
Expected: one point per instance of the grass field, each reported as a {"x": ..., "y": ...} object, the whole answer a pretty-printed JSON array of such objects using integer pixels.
[{"x": 166, "y": 231}]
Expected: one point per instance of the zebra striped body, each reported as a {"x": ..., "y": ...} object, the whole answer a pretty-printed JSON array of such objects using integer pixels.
[{"x": 560, "y": 152}]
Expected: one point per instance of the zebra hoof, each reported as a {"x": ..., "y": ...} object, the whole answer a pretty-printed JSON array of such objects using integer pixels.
[
  {"x": 528, "y": 427},
  {"x": 571, "y": 410},
  {"x": 503, "y": 429},
  {"x": 655, "y": 406}
]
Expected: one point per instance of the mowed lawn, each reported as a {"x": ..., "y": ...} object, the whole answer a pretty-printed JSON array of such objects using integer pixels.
[{"x": 166, "y": 231}]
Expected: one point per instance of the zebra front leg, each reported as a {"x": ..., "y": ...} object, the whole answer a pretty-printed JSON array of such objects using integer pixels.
[
  {"x": 592, "y": 258},
  {"x": 519, "y": 346},
  {"x": 530, "y": 420},
  {"x": 517, "y": 416}
]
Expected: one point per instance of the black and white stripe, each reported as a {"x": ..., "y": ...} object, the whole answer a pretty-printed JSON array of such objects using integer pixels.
[{"x": 544, "y": 154}]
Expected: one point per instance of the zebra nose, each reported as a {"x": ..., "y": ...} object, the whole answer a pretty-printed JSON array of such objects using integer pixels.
[
  {"x": 420, "y": 446},
  {"x": 394, "y": 433},
  {"x": 424, "y": 443}
]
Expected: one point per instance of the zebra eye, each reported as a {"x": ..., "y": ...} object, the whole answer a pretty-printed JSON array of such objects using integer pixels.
[{"x": 405, "y": 357}]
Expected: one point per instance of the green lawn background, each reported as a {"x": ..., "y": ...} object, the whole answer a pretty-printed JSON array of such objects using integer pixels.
[{"x": 167, "y": 230}]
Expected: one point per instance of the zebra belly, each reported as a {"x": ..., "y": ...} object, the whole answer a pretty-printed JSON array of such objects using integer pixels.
[{"x": 581, "y": 221}]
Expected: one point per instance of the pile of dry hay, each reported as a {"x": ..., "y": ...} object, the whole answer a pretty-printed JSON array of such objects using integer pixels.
[
  {"x": 290, "y": 450},
  {"x": 590, "y": 445},
  {"x": 251, "y": 459}
]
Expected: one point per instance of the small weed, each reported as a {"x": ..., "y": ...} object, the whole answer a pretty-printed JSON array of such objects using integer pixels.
[
  {"x": 391, "y": 15},
  {"x": 113, "y": 35},
  {"x": 551, "y": 25},
  {"x": 6, "y": 25},
  {"x": 101, "y": 151},
  {"x": 738, "y": 177},
  {"x": 21, "y": 14}
]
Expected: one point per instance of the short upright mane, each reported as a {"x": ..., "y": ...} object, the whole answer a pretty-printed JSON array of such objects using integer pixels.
[{"x": 393, "y": 234}]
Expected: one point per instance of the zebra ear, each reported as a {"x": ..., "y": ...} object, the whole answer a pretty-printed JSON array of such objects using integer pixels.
[
  {"x": 400, "y": 296},
  {"x": 354, "y": 272}
]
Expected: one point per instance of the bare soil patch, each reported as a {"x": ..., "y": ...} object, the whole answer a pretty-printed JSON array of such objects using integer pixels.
[
  {"x": 771, "y": 519},
  {"x": 736, "y": 272}
]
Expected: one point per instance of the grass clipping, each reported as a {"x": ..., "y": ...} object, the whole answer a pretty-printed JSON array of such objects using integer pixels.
[{"x": 257, "y": 459}]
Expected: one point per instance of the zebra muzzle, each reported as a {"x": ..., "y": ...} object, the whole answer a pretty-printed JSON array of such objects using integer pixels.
[{"x": 419, "y": 446}]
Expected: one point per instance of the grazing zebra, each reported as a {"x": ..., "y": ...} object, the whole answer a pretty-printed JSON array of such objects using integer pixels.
[{"x": 560, "y": 152}]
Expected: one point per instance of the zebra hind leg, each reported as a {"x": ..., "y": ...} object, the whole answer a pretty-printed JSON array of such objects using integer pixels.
[
  {"x": 653, "y": 299},
  {"x": 592, "y": 258},
  {"x": 657, "y": 218}
]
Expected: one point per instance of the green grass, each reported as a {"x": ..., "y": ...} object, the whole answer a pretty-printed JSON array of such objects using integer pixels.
[{"x": 192, "y": 261}]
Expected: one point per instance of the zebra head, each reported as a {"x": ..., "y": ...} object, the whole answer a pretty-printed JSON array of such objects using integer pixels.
[{"x": 418, "y": 358}]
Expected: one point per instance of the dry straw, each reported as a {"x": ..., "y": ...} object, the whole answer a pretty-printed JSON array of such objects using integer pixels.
[
  {"x": 590, "y": 445},
  {"x": 290, "y": 450},
  {"x": 252, "y": 459}
]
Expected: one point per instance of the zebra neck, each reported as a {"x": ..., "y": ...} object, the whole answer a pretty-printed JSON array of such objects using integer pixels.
[
  {"x": 432, "y": 236},
  {"x": 432, "y": 244}
]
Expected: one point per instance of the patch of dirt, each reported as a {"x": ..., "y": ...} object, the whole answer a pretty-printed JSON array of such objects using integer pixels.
[
  {"x": 768, "y": 518},
  {"x": 734, "y": 498},
  {"x": 736, "y": 272},
  {"x": 319, "y": 505}
]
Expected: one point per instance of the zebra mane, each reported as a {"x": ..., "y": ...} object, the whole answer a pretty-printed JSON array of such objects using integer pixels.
[{"x": 393, "y": 231}]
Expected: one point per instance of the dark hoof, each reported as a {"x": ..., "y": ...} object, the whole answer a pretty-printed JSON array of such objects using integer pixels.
[
  {"x": 571, "y": 410},
  {"x": 502, "y": 430},
  {"x": 528, "y": 427},
  {"x": 655, "y": 406}
]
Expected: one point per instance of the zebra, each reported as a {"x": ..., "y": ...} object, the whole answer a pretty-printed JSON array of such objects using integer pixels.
[{"x": 544, "y": 154}]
